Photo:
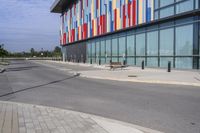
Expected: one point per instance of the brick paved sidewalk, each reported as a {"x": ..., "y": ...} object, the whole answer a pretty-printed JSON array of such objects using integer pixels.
[{"x": 25, "y": 118}]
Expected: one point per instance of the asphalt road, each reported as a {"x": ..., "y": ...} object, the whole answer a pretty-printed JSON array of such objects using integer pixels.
[{"x": 167, "y": 108}]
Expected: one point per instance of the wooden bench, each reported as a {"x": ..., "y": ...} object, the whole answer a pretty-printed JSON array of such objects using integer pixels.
[{"x": 114, "y": 65}]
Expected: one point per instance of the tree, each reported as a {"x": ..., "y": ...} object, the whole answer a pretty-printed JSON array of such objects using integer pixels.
[
  {"x": 57, "y": 51},
  {"x": 32, "y": 52},
  {"x": 3, "y": 52}
]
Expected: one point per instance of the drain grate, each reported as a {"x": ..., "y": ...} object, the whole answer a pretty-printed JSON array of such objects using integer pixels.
[{"x": 132, "y": 76}]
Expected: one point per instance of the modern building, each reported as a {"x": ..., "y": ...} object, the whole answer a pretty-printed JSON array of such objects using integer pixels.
[{"x": 131, "y": 31}]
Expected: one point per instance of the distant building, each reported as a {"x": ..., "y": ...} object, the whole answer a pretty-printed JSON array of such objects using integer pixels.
[{"x": 153, "y": 31}]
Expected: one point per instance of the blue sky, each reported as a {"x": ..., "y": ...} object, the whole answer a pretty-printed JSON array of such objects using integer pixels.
[{"x": 26, "y": 24}]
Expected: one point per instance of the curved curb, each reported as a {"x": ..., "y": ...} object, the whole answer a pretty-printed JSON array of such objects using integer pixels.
[
  {"x": 110, "y": 125},
  {"x": 142, "y": 81}
]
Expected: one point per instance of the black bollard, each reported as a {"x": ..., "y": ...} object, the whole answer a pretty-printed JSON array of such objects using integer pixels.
[
  {"x": 100, "y": 62},
  {"x": 169, "y": 66},
  {"x": 142, "y": 65},
  {"x": 124, "y": 62},
  {"x": 90, "y": 61}
]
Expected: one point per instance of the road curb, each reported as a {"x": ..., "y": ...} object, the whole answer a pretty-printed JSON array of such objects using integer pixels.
[
  {"x": 110, "y": 125},
  {"x": 142, "y": 81},
  {"x": 130, "y": 80}
]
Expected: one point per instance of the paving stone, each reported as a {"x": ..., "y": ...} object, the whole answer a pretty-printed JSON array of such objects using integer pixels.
[
  {"x": 23, "y": 118},
  {"x": 7, "y": 126}
]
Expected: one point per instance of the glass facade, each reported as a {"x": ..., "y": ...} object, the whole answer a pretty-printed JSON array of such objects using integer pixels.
[
  {"x": 108, "y": 50},
  {"x": 166, "y": 8},
  {"x": 156, "y": 45},
  {"x": 175, "y": 40},
  {"x": 184, "y": 40},
  {"x": 103, "y": 52}
]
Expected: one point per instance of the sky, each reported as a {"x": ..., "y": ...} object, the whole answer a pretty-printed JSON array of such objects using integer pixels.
[{"x": 26, "y": 24}]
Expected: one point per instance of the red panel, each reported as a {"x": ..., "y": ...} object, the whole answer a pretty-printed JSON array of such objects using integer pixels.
[
  {"x": 124, "y": 17},
  {"x": 101, "y": 25},
  {"x": 104, "y": 24},
  {"x": 134, "y": 12},
  {"x": 73, "y": 35},
  {"x": 84, "y": 31},
  {"x": 115, "y": 18},
  {"x": 129, "y": 14},
  {"x": 64, "y": 38}
]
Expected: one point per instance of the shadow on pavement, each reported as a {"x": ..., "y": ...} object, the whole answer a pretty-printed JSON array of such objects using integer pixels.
[
  {"x": 17, "y": 63},
  {"x": 5, "y": 87},
  {"x": 37, "y": 86},
  {"x": 20, "y": 68}
]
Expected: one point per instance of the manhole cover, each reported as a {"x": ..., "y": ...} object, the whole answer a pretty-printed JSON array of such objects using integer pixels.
[{"x": 132, "y": 76}]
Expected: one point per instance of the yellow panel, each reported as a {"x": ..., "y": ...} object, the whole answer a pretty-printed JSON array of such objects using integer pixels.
[
  {"x": 114, "y": 4},
  {"x": 92, "y": 7},
  {"x": 140, "y": 11},
  {"x": 118, "y": 18},
  {"x": 95, "y": 25}
]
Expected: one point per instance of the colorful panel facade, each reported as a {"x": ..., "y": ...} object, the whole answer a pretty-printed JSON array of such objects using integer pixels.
[{"x": 89, "y": 18}]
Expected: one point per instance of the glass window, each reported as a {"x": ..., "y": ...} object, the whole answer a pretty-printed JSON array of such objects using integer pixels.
[
  {"x": 156, "y": 4},
  {"x": 103, "y": 49},
  {"x": 93, "y": 52},
  {"x": 93, "y": 49},
  {"x": 164, "y": 61},
  {"x": 122, "y": 46},
  {"x": 167, "y": 41},
  {"x": 165, "y": 12},
  {"x": 184, "y": 40},
  {"x": 184, "y": 63},
  {"x": 97, "y": 50},
  {"x": 152, "y": 43},
  {"x": 140, "y": 44},
  {"x": 108, "y": 50},
  {"x": 152, "y": 62},
  {"x": 114, "y": 47},
  {"x": 166, "y": 2},
  {"x": 197, "y": 4},
  {"x": 122, "y": 49},
  {"x": 184, "y": 6},
  {"x": 131, "y": 61},
  {"x": 131, "y": 45},
  {"x": 139, "y": 61},
  {"x": 156, "y": 15},
  {"x": 89, "y": 51}
]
